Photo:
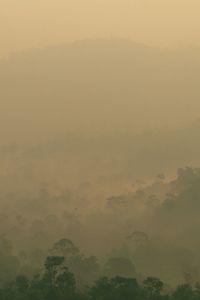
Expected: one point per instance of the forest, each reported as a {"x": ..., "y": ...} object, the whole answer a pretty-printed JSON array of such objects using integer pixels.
[
  {"x": 57, "y": 282},
  {"x": 99, "y": 173},
  {"x": 110, "y": 259}
]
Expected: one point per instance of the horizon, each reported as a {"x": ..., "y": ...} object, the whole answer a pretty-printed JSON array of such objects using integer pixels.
[
  {"x": 170, "y": 48},
  {"x": 36, "y": 24}
]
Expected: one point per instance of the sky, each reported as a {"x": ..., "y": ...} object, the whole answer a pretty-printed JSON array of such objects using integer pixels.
[{"x": 28, "y": 24}]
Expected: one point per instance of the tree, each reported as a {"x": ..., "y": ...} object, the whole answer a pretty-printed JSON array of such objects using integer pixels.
[
  {"x": 52, "y": 264},
  {"x": 22, "y": 283},
  {"x": 153, "y": 287},
  {"x": 183, "y": 292},
  {"x": 120, "y": 266},
  {"x": 64, "y": 247},
  {"x": 66, "y": 284},
  {"x": 117, "y": 288}
]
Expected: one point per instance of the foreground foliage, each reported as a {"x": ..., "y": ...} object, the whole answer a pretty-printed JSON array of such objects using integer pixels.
[{"x": 58, "y": 283}]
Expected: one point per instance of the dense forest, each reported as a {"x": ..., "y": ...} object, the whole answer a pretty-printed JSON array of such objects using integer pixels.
[
  {"x": 134, "y": 238},
  {"x": 99, "y": 173},
  {"x": 57, "y": 282}
]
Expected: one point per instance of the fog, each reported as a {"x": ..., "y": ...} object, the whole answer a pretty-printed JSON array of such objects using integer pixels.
[
  {"x": 102, "y": 86},
  {"x": 99, "y": 147},
  {"x": 92, "y": 136},
  {"x": 34, "y": 23}
]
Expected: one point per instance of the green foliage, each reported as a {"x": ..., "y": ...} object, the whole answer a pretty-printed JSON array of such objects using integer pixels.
[
  {"x": 52, "y": 262},
  {"x": 184, "y": 292},
  {"x": 58, "y": 283},
  {"x": 153, "y": 285},
  {"x": 116, "y": 288}
]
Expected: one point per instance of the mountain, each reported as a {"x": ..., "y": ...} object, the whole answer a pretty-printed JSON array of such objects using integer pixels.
[{"x": 102, "y": 85}]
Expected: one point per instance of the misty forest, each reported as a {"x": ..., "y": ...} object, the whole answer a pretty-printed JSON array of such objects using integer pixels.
[{"x": 100, "y": 172}]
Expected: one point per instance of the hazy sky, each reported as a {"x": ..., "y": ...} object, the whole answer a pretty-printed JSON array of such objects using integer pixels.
[{"x": 37, "y": 23}]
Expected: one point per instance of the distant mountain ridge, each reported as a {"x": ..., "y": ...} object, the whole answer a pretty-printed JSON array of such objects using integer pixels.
[{"x": 102, "y": 85}]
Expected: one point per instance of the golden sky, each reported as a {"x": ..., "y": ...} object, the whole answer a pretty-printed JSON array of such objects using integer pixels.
[{"x": 37, "y": 23}]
